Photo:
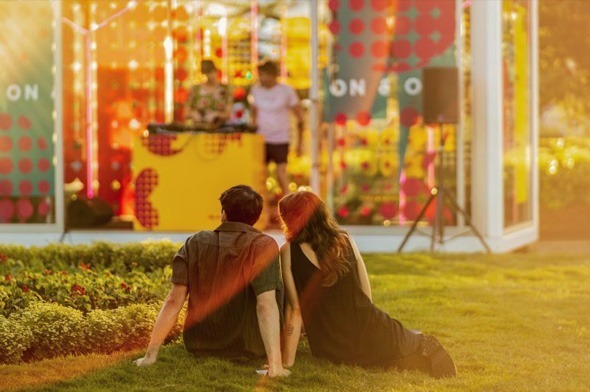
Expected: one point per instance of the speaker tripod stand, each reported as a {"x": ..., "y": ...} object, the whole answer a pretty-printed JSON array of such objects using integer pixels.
[{"x": 439, "y": 192}]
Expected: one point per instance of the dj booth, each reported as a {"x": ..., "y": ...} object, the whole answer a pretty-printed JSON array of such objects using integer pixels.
[{"x": 180, "y": 172}]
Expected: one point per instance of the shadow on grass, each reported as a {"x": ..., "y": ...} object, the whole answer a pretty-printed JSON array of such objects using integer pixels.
[
  {"x": 177, "y": 370},
  {"x": 55, "y": 370}
]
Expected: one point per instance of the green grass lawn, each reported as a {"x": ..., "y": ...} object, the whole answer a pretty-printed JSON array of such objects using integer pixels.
[{"x": 513, "y": 322}]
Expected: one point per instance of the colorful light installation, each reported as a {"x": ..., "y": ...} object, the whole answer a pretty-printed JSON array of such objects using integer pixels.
[{"x": 91, "y": 86}]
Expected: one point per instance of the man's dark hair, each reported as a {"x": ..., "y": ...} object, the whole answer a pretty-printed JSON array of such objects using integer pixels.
[
  {"x": 241, "y": 203},
  {"x": 269, "y": 67}
]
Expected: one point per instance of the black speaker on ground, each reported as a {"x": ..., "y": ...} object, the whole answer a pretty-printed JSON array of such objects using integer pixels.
[
  {"x": 440, "y": 95},
  {"x": 83, "y": 212}
]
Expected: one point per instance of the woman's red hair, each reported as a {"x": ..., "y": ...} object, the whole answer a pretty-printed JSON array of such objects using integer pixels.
[{"x": 305, "y": 218}]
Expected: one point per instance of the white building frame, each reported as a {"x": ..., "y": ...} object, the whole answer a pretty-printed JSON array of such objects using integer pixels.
[{"x": 487, "y": 157}]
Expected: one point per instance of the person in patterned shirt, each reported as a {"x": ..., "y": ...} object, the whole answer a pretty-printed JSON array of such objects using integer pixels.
[{"x": 209, "y": 102}]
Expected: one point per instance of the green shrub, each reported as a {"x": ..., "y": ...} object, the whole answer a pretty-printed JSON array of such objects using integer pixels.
[
  {"x": 564, "y": 172},
  {"x": 74, "y": 299},
  {"x": 146, "y": 256},
  {"x": 15, "y": 339},
  {"x": 105, "y": 331},
  {"x": 14, "y": 264},
  {"x": 82, "y": 288},
  {"x": 62, "y": 256},
  {"x": 46, "y": 330},
  {"x": 125, "y": 328},
  {"x": 15, "y": 295},
  {"x": 137, "y": 322},
  {"x": 56, "y": 330}
]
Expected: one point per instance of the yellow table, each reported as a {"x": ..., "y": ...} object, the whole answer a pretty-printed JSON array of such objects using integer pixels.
[{"x": 178, "y": 178}]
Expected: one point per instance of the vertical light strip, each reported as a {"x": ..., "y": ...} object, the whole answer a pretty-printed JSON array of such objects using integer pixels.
[
  {"x": 169, "y": 80},
  {"x": 94, "y": 103},
  {"x": 283, "y": 42},
  {"x": 254, "y": 37},
  {"x": 222, "y": 30},
  {"x": 207, "y": 52},
  {"x": 199, "y": 35},
  {"x": 169, "y": 66},
  {"x": 431, "y": 141},
  {"x": 402, "y": 199},
  {"x": 89, "y": 118},
  {"x": 77, "y": 76}
]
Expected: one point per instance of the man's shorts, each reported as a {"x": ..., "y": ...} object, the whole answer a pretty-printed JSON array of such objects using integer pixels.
[{"x": 276, "y": 153}]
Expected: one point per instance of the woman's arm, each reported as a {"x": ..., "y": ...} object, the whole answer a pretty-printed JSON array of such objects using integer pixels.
[
  {"x": 362, "y": 270},
  {"x": 293, "y": 320}
]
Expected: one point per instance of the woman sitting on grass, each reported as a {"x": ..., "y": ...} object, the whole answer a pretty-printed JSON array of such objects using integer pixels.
[{"x": 328, "y": 290}]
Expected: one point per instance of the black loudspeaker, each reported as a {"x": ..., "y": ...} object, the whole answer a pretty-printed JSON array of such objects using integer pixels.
[
  {"x": 440, "y": 95},
  {"x": 84, "y": 212}
]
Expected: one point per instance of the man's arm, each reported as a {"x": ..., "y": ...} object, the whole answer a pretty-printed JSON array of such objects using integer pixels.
[
  {"x": 166, "y": 321},
  {"x": 267, "y": 312}
]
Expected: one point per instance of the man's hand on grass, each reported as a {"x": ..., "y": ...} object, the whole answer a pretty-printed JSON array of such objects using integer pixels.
[{"x": 145, "y": 361}]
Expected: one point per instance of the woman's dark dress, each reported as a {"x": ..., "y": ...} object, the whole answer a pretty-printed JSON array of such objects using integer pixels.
[{"x": 341, "y": 322}]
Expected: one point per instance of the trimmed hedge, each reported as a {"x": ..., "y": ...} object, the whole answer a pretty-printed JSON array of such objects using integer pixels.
[
  {"x": 64, "y": 299},
  {"x": 81, "y": 288},
  {"x": 146, "y": 256},
  {"x": 46, "y": 330},
  {"x": 57, "y": 330},
  {"x": 15, "y": 339}
]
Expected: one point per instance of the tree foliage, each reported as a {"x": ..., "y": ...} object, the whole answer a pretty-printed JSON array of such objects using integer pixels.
[{"x": 564, "y": 56}]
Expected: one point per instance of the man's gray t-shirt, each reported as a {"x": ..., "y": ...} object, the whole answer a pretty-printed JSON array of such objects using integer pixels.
[{"x": 225, "y": 269}]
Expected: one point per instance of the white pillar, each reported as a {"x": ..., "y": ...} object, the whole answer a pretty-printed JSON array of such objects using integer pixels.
[
  {"x": 486, "y": 174},
  {"x": 534, "y": 110},
  {"x": 314, "y": 175},
  {"x": 460, "y": 128}
]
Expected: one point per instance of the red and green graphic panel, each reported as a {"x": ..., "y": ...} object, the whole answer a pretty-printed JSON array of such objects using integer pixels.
[
  {"x": 384, "y": 153},
  {"x": 27, "y": 168}
]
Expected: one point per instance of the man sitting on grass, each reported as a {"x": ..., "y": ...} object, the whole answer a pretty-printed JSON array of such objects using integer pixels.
[{"x": 232, "y": 278}]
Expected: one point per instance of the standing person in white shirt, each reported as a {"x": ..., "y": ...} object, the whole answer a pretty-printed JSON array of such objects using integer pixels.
[{"x": 271, "y": 104}]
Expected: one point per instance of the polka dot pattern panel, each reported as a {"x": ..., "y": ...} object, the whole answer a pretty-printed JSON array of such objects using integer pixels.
[{"x": 145, "y": 183}]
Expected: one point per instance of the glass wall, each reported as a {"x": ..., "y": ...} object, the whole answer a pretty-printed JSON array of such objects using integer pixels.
[
  {"x": 114, "y": 83},
  {"x": 128, "y": 63},
  {"x": 125, "y": 63},
  {"x": 516, "y": 112},
  {"x": 384, "y": 155}
]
